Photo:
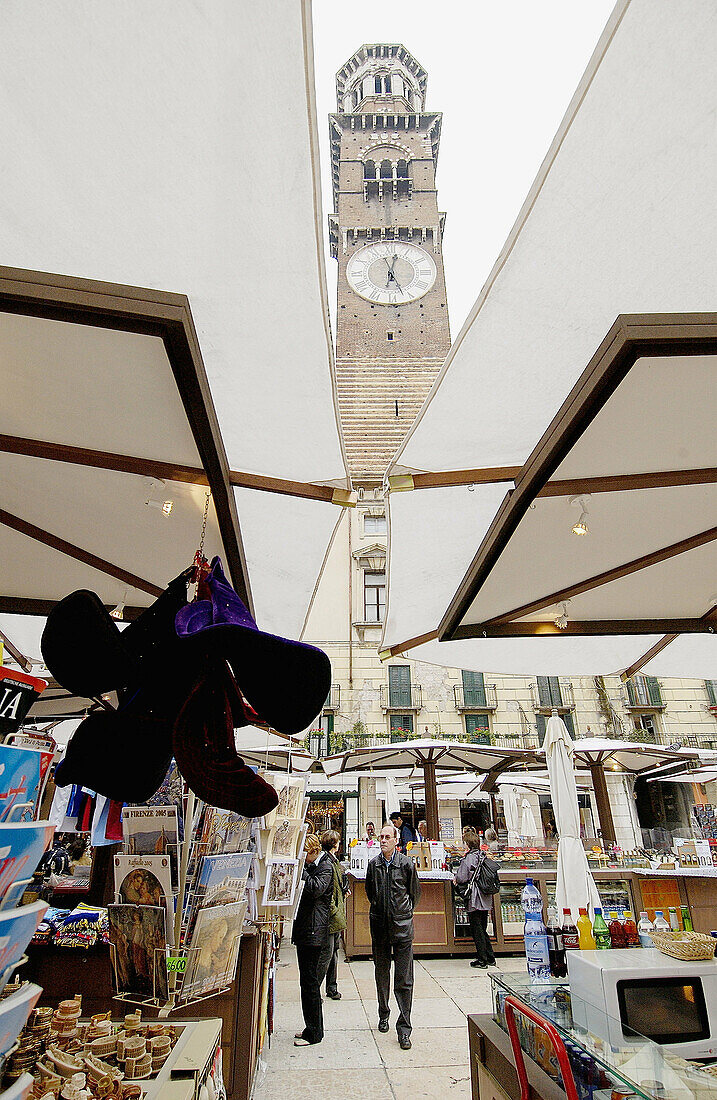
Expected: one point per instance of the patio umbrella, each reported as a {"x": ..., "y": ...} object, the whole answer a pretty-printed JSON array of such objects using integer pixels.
[
  {"x": 262, "y": 748},
  {"x": 430, "y": 755},
  {"x": 527, "y": 820},
  {"x": 575, "y": 885},
  {"x": 510, "y": 809},
  {"x": 595, "y": 753}
]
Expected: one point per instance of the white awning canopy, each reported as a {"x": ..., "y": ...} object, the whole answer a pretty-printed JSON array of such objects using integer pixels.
[
  {"x": 169, "y": 146},
  {"x": 620, "y": 221}
]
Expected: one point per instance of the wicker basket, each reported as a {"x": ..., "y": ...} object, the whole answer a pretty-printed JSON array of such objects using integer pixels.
[{"x": 689, "y": 946}]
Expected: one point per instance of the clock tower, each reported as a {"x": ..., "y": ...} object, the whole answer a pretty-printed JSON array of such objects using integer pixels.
[{"x": 392, "y": 331}]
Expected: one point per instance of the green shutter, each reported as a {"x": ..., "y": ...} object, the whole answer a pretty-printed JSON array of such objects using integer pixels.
[
  {"x": 549, "y": 694},
  {"x": 541, "y": 720},
  {"x": 569, "y": 724},
  {"x": 653, "y": 691},
  {"x": 631, "y": 693},
  {"x": 400, "y": 724},
  {"x": 711, "y": 686},
  {"x": 399, "y": 685},
  {"x": 478, "y": 728},
  {"x": 473, "y": 689}
]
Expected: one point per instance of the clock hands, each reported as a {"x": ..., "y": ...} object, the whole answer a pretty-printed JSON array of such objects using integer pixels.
[{"x": 390, "y": 271}]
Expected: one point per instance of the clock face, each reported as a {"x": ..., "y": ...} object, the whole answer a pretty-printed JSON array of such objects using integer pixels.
[{"x": 391, "y": 272}]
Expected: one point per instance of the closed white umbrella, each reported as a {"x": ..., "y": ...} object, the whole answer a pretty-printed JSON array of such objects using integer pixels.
[
  {"x": 575, "y": 885},
  {"x": 510, "y": 809},
  {"x": 528, "y": 827}
]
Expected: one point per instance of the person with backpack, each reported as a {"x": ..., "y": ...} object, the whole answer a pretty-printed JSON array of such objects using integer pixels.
[
  {"x": 477, "y": 873},
  {"x": 329, "y": 958}
]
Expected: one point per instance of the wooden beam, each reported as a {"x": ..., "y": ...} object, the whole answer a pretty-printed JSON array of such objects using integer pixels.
[
  {"x": 657, "y": 648},
  {"x": 629, "y": 339},
  {"x": 163, "y": 471},
  {"x": 22, "y": 605},
  {"x": 24, "y": 662},
  {"x": 615, "y": 574},
  {"x": 579, "y": 486},
  {"x": 396, "y": 650},
  {"x": 580, "y": 628},
  {"x": 76, "y": 552}
]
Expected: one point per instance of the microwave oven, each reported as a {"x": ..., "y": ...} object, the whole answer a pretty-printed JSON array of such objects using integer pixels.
[{"x": 673, "y": 1003}]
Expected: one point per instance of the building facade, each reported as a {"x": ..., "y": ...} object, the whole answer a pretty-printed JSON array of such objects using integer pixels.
[{"x": 392, "y": 334}]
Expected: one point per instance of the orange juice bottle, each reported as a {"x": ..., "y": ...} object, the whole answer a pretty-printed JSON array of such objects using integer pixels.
[{"x": 585, "y": 931}]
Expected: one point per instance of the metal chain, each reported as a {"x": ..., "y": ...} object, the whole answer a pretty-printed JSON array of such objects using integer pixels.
[{"x": 204, "y": 527}]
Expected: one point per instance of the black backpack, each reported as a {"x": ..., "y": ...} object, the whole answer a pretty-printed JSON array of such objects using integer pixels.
[{"x": 485, "y": 876}]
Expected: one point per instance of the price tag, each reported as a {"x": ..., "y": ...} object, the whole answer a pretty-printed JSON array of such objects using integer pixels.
[{"x": 177, "y": 964}]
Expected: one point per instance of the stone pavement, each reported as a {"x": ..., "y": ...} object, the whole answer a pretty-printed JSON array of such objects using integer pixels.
[{"x": 355, "y": 1059}]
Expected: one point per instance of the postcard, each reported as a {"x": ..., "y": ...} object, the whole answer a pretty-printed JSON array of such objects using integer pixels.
[
  {"x": 224, "y": 831},
  {"x": 137, "y": 933},
  {"x": 283, "y": 837},
  {"x": 281, "y": 880},
  {"x": 14, "y": 1011},
  {"x": 152, "y": 830},
  {"x": 221, "y": 880},
  {"x": 213, "y": 950},
  {"x": 145, "y": 880},
  {"x": 23, "y": 773},
  {"x": 17, "y": 927},
  {"x": 22, "y": 846},
  {"x": 171, "y": 793}
]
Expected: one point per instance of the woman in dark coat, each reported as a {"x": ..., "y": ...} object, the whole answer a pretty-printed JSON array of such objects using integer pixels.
[
  {"x": 477, "y": 904},
  {"x": 310, "y": 935}
]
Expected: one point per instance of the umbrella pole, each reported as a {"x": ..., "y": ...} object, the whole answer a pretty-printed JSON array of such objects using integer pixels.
[
  {"x": 602, "y": 799},
  {"x": 431, "y": 795}
]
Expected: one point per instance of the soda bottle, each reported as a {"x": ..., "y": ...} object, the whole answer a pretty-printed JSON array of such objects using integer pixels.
[
  {"x": 530, "y": 899},
  {"x": 661, "y": 924},
  {"x": 556, "y": 949},
  {"x": 601, "y": 932},
  {"x": 586, "y": 939},
  {"x": 617, "y": 932},
  {"x": 629, "y": 927},
  {"x": 674, "y": 919},
  {"x": 686, "y": 919},
  {"x": 537, "y": 952},
  {"x": 571, "y": 940},
  {"x": 644, "y": 928}
]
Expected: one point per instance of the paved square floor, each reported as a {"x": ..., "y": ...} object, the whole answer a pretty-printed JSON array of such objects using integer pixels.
[{"x": 355, "y": 1059}]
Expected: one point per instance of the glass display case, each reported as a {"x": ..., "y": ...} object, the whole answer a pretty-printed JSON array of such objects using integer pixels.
[
  {"x": 615, "y": 894},
  {"x": 635, "y": 1067}
]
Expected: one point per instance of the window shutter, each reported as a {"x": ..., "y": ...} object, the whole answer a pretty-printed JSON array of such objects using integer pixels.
[
  {"x": 477, "y": 727},
  {"x": 711, "y": 686},
  {"x": 473, "y": 689},
  {"x": 399, "y": 685},
  {"x": 569, "y": 724},
  {"x": 549, "y": 694},
  {"x": 541, "y": 720},
  {"x": 631, "y": 693},
  {"x": 653, "y": 691},
  {"x": 400, "y": 722}
]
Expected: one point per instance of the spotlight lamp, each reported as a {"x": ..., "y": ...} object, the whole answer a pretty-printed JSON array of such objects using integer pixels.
[
  {"x": 580, "y": 527},
  {"x": 561, "y": 620}
]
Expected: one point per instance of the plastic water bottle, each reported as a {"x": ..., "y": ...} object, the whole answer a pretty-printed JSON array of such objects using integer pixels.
[
  {"x": 530, "y": 899},
  {"x": 661, "y": 924},
  {"x": 644, "y": 928},
  {"x": 537, "y": 952}
]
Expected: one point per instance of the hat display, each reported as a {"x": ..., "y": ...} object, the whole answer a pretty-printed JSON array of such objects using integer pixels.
[
  {"x": 186, "y": 676},
  {"x": 286, "y": 682}
]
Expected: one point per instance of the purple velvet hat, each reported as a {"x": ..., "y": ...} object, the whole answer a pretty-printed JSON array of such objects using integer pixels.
[{"x": 285, "y": 682}]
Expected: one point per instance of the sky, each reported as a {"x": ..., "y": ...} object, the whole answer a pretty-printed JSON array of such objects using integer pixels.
[{"x": 503, "y": 73}]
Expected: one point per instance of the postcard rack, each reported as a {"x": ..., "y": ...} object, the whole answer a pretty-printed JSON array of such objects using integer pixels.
[{"x": 168, "y": 978}]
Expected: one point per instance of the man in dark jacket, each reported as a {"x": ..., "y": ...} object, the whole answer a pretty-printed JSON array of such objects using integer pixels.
[
  {"x": 310, "y": 933},
  {"x": 406, "y": 832},
  {"x": 393, "y": 890}
]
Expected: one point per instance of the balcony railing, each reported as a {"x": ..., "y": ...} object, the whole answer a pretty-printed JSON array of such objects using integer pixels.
[
  {"x": 475, "y": 698},
  {"x": 544, "y": 703},
  {"x": 408, "y": 699},
  {"x": 500, "y": 741},
  {"x": 333, "y": 699}
]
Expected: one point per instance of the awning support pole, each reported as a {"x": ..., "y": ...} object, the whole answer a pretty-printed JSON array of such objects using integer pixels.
[
  {"x": 431, "y": 797},
  {"x": 602, "y": 800}
]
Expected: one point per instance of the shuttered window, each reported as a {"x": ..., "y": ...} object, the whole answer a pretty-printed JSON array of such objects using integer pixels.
[
  {"x": 473, "y": 689},
  {"x": 644, "y": 691},
  {"x": 549, "y": 693},
  {"x": 543, "y": 718},
  {"x": 711, "y": 686},
  {"x": 399, "y": 725},
  {"x": 477, "y": 728},
  {"x": 399, "y": 686}
]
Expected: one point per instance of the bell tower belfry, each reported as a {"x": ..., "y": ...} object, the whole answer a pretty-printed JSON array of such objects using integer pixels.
[{"x": 392, "y": 331}]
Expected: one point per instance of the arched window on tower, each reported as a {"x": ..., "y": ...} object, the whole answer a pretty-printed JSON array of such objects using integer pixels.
[
  {"x": 355, "y": 99},
  {"x": 378, "y": 85},
  {"x": 402, "y": 170},
  {"x": 370, "y": 183},
  {"x": 369, "y": 170},
  {"x": 386, "y": 170},
  {"x": 387, "y": 85},
  {"x": 403, "y": 180}
]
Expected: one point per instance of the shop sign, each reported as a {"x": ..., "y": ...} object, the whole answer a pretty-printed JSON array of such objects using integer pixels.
[{"x": 17, "y": 694}]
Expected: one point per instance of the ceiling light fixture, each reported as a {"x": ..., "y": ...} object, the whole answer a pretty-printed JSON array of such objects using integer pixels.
[
  {"x": 118, "y": 611},
  {"x": 157, "y": 497},
  {"x": 581, "y": 527},
  {"x": 561, "y": 621}
]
